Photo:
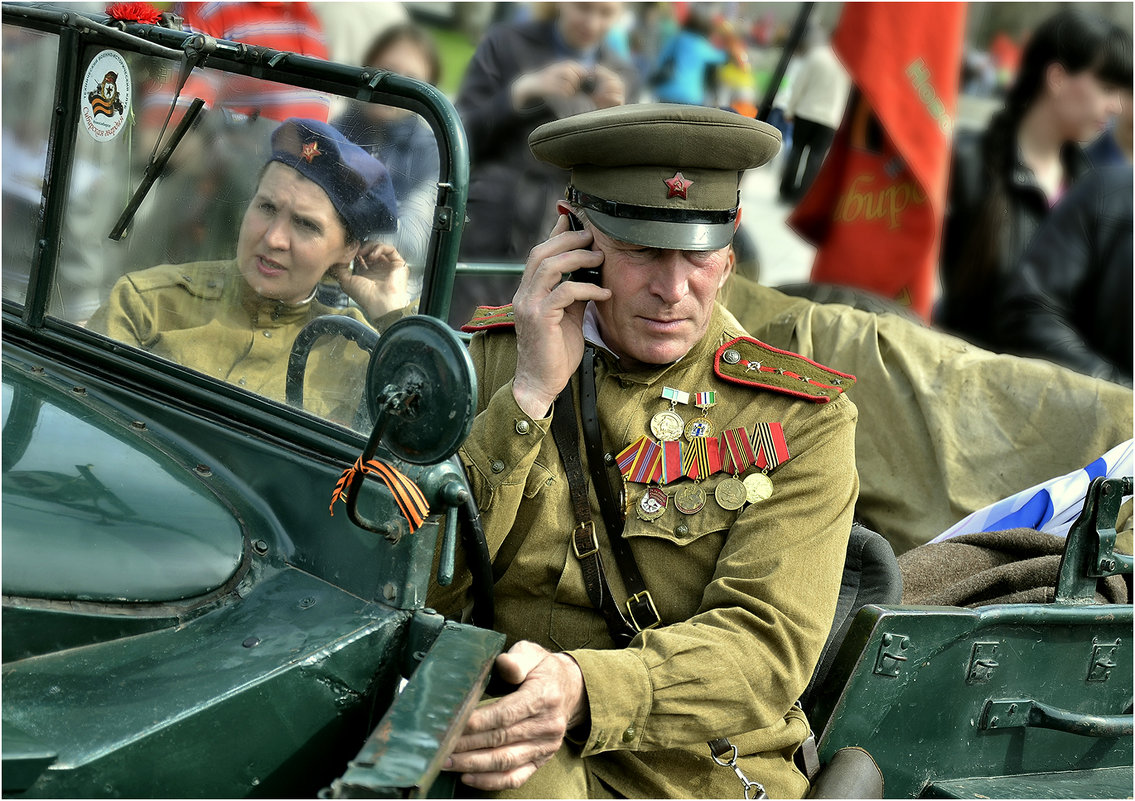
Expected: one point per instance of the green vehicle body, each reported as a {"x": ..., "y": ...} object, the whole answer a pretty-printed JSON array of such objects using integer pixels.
[{"x": 182, "y": 616}]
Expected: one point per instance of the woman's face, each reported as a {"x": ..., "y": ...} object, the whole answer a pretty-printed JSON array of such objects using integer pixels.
[
  {"x": 404, "y": 57},
  {"x": 1084, "y": 104},
  {"x": 290, "y": 236}
]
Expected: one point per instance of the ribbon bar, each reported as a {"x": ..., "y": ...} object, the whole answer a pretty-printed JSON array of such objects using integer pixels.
[{"x": 770, "y": 446}]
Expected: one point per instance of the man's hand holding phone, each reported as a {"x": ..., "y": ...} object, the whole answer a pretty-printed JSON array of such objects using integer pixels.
[{"x": 549, "y": 315}]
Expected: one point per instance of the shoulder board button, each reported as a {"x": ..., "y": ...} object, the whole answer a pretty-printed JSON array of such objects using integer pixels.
[
  {"x": 752, "y": 363},
  {"x": 486, "y": 318},
  {"x": 205, "y": 280}
]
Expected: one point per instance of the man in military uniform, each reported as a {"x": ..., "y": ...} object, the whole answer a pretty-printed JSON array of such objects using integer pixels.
[
  {"x": 317, "y": 201},
  {"x": 723, "y": 466}
]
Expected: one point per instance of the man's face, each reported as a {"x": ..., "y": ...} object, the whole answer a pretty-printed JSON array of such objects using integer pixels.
[
  {"x": 584, "y": 25},
  {"x": 290, "y": 236},
  {"x": 661, "y": 300}
]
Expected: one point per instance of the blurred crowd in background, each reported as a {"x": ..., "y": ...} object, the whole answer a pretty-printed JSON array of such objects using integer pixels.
[{"x": 1029, "y": 245}]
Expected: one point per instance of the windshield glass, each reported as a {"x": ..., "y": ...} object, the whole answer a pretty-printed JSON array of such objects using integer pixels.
[{"x": 279, "y": 205}]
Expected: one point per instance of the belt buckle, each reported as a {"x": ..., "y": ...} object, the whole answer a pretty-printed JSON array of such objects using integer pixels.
[
  {"x": 593, "y": 546},
  {"x": 639, "y": 598}
]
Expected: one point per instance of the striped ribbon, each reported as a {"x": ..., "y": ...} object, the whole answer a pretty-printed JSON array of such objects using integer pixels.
[
  {"x": 646, "y": 465},
  {"x": 675, "y": 395},
  {"x": 736, "y": 451},
  {"x": 673, "y": 459},
  {"x": 702, "y": 458},
  {"x": 629, "y": 455},
  {"x": 703, "y": 400},
  {"x": 769, "y": 445},
  {"x": 411, "y": 502}
]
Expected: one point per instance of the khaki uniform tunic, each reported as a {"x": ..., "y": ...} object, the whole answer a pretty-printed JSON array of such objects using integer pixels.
[
  {"x": 204, "y": 316},
  {"x": 746, "y": 597}
]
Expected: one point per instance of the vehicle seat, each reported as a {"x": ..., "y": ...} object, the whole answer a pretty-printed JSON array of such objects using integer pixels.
[{"x": 870, "y": 576}]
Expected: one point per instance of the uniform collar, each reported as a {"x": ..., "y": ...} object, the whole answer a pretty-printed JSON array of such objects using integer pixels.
[
  {"x": 702, "y": 352},
  {"x": 266, "y": 312}
]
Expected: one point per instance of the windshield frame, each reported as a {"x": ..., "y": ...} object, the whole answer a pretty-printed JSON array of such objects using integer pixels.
[{"x": 33, "y": 327}]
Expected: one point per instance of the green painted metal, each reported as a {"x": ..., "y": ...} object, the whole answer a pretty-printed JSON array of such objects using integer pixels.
[
  {"x": 129, "y": 523},
  {"x": 921, "y": 718},
  {"x": 404, "y": 754},
  {"x": 262, "y": 696},
  {"x": 1105, "y": 783},
  {"x": 1090, "y": 549}
]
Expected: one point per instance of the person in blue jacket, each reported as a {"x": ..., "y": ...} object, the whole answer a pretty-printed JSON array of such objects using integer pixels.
[{"x": 684, "y": 64}]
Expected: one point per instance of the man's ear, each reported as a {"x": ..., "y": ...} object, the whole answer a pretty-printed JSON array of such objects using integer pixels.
[{"x": 730, "y": 264}]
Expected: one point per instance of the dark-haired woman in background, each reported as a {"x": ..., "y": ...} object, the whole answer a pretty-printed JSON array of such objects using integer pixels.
[
  {"x": 401, "y": 139},
  {"x": 1074, "y": 72}
]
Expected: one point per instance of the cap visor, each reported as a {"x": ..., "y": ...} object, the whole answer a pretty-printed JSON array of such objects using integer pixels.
[{"x": 664, "y": 235}]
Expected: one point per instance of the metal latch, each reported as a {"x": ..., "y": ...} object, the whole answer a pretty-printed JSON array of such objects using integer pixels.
[
  {"x": 981, "y": 663},
  {"x": 1103, "y": 660},
  {"x": 890, "y": 657}
]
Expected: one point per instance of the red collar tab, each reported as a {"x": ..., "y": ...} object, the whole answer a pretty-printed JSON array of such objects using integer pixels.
[{"x": 486, "y": 318}]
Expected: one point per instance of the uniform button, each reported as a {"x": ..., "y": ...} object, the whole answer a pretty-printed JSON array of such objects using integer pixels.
[
  {"x": 268, "y": 334},
  {"x": 609, "y": 458},
  {"x": 682, "y": 530},
  {"x": 550, "y": 482},
  {"x": 629, "y": 734},
  {"x": 212, "y": 285},
  {"x": 521, "y": 426},
  {"x": 731, "y": 356},
  {"x": 497, "y": 465},
  {"x": 242, "y": 382}
]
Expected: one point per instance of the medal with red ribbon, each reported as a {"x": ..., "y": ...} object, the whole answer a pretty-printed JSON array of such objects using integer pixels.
[
  {"x": 673, "y": 454},
  {"x": 771, "y": 450},
  {"x": 736, "y": 457}
]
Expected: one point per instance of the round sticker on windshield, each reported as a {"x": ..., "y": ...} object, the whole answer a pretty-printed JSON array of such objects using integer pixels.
[{"x": 105, "y": 99}]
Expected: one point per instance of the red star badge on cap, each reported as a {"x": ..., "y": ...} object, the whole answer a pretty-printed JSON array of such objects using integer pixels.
[
  {"x": 677, "y": 186},
  {"x": 311, "y": 150}
]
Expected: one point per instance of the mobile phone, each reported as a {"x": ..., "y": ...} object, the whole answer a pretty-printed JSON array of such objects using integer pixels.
[{"x": 588, "y": 275}]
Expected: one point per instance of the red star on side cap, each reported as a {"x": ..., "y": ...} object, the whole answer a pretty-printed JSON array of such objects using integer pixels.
[
  {"x": 311, "y": 150},
  {"x": 677, "y": 186}
]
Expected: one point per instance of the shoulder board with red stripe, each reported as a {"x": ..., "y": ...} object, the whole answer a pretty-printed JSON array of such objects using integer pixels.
[
  {"x": 752, "y": 363},
  {"x": 486, "y": 318}
]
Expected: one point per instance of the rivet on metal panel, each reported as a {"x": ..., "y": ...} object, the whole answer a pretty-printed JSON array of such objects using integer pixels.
[
  {"x": 260, "y": 546},
  {"x": 307, "y": 603}
]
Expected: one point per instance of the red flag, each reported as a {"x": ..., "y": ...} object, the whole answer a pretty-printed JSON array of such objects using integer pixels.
[{"x": 875, "y": 210}]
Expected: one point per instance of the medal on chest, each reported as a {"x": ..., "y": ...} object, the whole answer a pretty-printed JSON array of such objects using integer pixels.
[
  {"x": 652, "y": 504},
  {"x": 669, "y": 425},
  {"x": 701, "y": 426}
]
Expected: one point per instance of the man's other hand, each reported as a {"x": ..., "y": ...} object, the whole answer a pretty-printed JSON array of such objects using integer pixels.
[{"x": 507, "y": 740}]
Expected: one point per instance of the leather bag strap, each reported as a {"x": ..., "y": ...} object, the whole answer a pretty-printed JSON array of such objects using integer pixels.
[
  {"x": 640, "y": 605},
  {"x": 584, "y": 541}
]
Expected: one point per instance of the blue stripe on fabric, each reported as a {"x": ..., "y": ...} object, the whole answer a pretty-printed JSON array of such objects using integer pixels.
[
  {"x": 1096, "y": 469},
  {"x": 1033, "y": 514}
]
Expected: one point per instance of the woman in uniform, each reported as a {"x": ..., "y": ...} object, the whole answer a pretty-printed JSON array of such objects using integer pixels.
[{"x": 318, "y": 200}]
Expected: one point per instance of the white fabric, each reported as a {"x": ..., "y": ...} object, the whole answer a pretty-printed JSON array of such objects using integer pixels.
[
  {"x": 1052, "y": 506},
  {"x": 820, "y": 91}
]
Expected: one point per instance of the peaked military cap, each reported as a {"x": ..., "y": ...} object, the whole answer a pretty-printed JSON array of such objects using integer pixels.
[{"x": 658, "y": 174}]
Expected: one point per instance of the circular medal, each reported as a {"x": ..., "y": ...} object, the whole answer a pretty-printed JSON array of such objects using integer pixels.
[
  {"x": 652, "y": 504},
  {"x": 699, "y": 427},
  {"x": 690, "y": 499},
  {"x": 731, "y": 494},
  {"x": 667, "y": 426},
  {"x": 758, "y": 487}
]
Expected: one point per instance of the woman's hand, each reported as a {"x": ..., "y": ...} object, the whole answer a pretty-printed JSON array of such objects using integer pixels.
[
  {"x": 380, "y": 281},
  {"x": 505, "y": 741},
  {"x": 549, "y": 317}
]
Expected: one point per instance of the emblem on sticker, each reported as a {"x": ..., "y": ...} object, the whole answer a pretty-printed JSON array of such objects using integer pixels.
[{"x": 105, "y": 98}]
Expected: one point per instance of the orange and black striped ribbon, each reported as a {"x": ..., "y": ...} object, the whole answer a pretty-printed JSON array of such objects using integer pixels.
[{"x": 411, "y": 502}]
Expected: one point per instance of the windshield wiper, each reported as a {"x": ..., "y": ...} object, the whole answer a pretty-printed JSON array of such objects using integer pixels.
[{"x": 197, "y": 48}]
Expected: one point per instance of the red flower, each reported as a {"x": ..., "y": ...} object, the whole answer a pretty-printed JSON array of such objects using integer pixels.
[{"x": 134, "y": 12}]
